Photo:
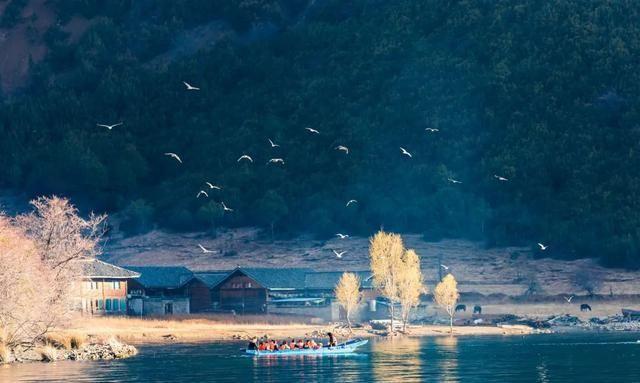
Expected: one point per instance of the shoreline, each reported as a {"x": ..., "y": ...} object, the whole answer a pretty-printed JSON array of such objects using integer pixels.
[{"x": 161, "y": 331}]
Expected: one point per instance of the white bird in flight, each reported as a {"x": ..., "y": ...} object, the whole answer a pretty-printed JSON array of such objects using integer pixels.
[
  {"x": 201, "y": 192},
  {"x": 542, "y": 247},
  {"x": 311, "y": 130},
  {"x": 212, "y": 186},
  {"x": 342, "y": 236},
  {"x": 343, "y": 148},
  {"x": 189, "y": 86},
  {"x": 454, "y": 181},
  {"x": 340, "y": 254},
  {"x": 205, "y": 250},
  {"x": 500, "y": 178},
  {"x": 444, "y": 266},
  {"x": 224, "y": 207},
  {"x": 109, "y": 126},
  {"x": 245, "y": 157},
  {"x": 568, "y": 299},
  {"x": 272, "y": 144},
  {"x": 276, "y": 161},
  {"x": 404, "y": 151},
  {"x": 173, "y": 155},
  {"x": 432, "y": 130},
  {"x": 351, "y": 201}
]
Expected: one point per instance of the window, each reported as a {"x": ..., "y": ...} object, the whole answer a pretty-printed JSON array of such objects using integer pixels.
[
  {"x": 248, "y": 285},
  {"x": 123, "y": 305},
  {"x": 99, "y": 304},
  {"x": 236, "y": 285},
  {"x": 107, "y": 304},
  {"x": 116, "y": 285}
]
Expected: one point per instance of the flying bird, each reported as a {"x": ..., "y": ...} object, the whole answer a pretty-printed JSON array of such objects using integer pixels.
[
  {"x": 276, "y": 160},
  {"x": 432, "y": 130},
  {"x": 351, "y": 201},
  {"x": 339, "y": 255},
  {"x": 404, "y": 151},
  {"x": 272, "y": 144},
  {"x": 444, "y": 266},
  {"x": 342, "y": 236},
  {"x": 311, "y": 130},
  {"x": 205, "y": 250},
  {"x": 109, "y": 126},
  {"x": 542, "y": 247},
  {"x": 454, "y": 181},
  {"x": 189, "y": 86},
  {"x": 499, "y": 178},
  {"x": 343, "y": 148},
  {"x": 224, "y": 207},
  {"x": 245, "y": 157},
  {"x": 212, "y": 186},
  {"x": 568, "y": 299},
  {"x": 173, "y": 155},
  {"x": 201, "y": 192}
]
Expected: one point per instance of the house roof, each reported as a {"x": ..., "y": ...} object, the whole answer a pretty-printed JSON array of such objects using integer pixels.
[
  {"x": 95, "y": 268},
  {"x": 327, "y": 280},
  {"x": 272, "y": 278},
  {"x": 212, "y": 278},
  {"x": 168, "y": 277}
]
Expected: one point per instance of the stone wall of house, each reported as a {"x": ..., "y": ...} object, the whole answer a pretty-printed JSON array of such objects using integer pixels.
[{"x": 159, "y": 306}]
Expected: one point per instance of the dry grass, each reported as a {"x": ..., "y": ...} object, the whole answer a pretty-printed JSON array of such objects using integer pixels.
[
  {"x": 59, "y": 340},
  {"x": 5, "y": 354},
  {"x": 77, "y": 340},
  {"x": 48, "y": 353},
  {"x": 188, "y": 328}
]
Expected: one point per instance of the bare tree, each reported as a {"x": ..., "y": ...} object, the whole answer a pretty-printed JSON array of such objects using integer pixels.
[
  {"x": 60, "y": 233},
  {"x": 348, "y": 294},
  {"x": 446, "y": 295},
  {"x": 410, "y": 285},
  {"x": 25, "y": 293},
  {"x": 385, "y": 252}
]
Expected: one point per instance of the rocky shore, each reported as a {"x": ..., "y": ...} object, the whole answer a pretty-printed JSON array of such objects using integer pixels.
[{"x": 94, "y": 349}]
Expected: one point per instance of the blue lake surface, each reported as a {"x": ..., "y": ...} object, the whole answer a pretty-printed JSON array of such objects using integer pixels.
[{"x": 608, "y": 357}]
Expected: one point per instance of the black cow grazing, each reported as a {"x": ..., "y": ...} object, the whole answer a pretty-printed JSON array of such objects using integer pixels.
[
  {"x": 477, "y": 309},
  {"x": 585, "y": 307},
  {"x": 461, "y": 308}
]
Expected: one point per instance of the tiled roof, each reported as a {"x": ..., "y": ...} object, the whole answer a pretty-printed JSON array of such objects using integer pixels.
[
  {"x": 169, "y": 277},
  {"x": 278, "y": 278},
  {"x": 327, "y": 280},
  {"x": 212, "y": 278},
  {"x": 95, "y": 268}
]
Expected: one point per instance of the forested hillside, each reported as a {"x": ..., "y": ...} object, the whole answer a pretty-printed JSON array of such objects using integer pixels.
[{"x": 542, "y": 94}]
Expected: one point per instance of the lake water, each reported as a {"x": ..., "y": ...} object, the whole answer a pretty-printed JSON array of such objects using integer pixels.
[{"x": 534, "y": 358}]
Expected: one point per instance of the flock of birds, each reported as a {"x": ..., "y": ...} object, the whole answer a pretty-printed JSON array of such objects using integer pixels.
[{"x": 277, "y": 160}]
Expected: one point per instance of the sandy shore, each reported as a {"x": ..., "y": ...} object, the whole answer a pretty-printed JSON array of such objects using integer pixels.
[{"x": 202, "y": 329}]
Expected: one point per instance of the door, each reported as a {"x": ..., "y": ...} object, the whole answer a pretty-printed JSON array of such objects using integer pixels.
[{"x": 168, "y": 308}]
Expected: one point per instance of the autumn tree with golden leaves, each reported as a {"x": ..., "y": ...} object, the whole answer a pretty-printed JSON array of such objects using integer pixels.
[
  {"x": 348, "y": 294},
  {"x": 446, "y": 295}
]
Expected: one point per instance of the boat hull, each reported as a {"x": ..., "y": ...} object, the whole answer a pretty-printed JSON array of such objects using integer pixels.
[{"x": 341, "y": 349}]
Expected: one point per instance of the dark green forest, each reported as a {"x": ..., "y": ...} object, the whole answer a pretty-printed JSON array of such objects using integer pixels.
[{"x": 544, "y": 94}]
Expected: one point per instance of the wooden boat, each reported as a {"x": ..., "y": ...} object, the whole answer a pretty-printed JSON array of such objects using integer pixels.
[
  {"x": 348, "y": 347},
  {"x": 628, "y": 313}
]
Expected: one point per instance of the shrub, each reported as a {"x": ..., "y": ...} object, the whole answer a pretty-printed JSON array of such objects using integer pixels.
[
  {"x": 5, "y": 354},
  {"x": 48, "y": 353},
  {"x": 58, "y": 341},
  {"x": 77, "y": 341}
]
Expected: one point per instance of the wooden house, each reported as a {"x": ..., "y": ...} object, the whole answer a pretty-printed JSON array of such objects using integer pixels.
[
  {"x": 102, "y": 289},
  {"x": 160, "y": 290}
]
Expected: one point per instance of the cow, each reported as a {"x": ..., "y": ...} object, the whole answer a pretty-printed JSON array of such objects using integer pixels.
[
  {"x": 461, "y": 308},
  {"x": 585, "y": 307},
  {"x": 477, "y": 309}
]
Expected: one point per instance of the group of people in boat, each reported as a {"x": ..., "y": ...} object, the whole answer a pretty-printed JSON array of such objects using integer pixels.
[{"x": 306, "y": 344}]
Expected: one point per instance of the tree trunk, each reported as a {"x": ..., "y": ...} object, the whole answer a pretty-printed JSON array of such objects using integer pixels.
[
  {"x": 451, "y": 324},
  {"x": 391, "y": 310},
  {"x": 349, "y": 323}
]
